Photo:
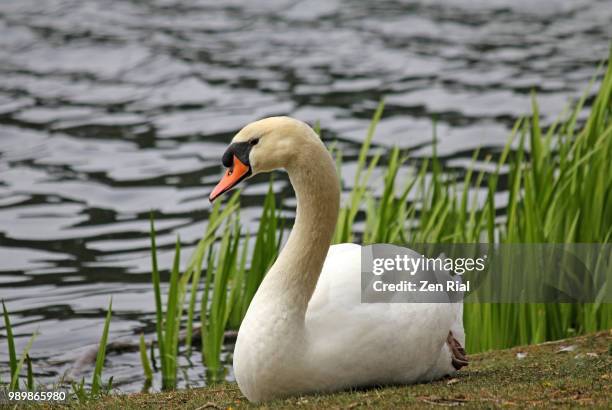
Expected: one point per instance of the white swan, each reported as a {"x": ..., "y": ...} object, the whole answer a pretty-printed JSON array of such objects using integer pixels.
[{"x": 306, "y": 329}]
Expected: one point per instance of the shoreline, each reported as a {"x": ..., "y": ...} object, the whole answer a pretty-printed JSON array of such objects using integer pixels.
[{"x": 570, "y": 372}]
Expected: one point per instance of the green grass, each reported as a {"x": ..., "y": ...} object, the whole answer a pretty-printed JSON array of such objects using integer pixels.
[
  {"x": 243, "y": 282},
  {"x": 168, "y": 320},
  {"x": 98, "y": 389},
  {"x": 228, "y": 287},
  {"x": 213, "y": 324},
  {"x": 15, "y": 365},
  {"x": 96, "y": 381},
  {"x": 560, "y": 191},
  {"x": 544, "y": 378},
  {"x": 167, "y": 326},
  {"x": 79, "y": 390},
  {"x": 144, "y": 360}
]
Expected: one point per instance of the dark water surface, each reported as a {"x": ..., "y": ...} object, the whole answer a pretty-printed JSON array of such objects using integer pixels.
[{"x": 109, "y": 109}]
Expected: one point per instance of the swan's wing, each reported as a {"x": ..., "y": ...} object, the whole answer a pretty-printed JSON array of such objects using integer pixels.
[
  {"x": 409, "y": 337},
  {"x": 335, "y": 306},
  {"x": 339, "y": 285}
]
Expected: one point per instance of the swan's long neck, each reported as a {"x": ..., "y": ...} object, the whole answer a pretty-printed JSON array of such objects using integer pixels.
[
  {"x": 293, "y": 277},
  {"x": 273, "y": 339}
]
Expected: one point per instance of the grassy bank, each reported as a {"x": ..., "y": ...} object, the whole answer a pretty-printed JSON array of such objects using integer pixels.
[{"x": 546, "y": 376}]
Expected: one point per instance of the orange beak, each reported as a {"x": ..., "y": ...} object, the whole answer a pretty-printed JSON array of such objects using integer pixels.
[{"x": 232, "y": 177}]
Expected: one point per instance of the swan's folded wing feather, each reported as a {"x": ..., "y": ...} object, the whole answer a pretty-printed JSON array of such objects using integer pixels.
[
  {"x": 408, "y": 337},
  {"x": 339, "y": 285}
]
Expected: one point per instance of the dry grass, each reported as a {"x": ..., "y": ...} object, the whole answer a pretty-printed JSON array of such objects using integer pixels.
[{"x": 544, "y": 378}]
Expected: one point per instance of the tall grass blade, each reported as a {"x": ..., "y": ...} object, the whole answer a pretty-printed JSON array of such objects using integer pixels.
[
  {"x": 96, "y": 382},
  {"x": 146, "y": 365},
  {"x": 30, "y": 373},
  {"x": 159, "y": 324},
  {"x": 11, "y": 346}
]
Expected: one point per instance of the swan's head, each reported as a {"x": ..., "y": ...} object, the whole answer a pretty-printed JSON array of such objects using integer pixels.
[{"x": 263, "y": 146}]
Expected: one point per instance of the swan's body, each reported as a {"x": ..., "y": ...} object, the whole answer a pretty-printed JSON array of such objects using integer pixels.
[{"x": 306, "y": 329}]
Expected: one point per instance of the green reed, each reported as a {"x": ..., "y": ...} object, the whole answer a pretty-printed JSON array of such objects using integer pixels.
[
  {"x": 79, "y": 390},
  {"x": 15, "y": 364},
  {"x": 560, "y": 191},
  {"x": 215, "y": 312},
  {"x": 218, "y": 215},
  {"x": 96, "y": 381},
  {"x": 267, "y": 245},
  {"x": 168, "y": 322},
  {"x": 228, "y": 287},
  {"x": 144, "y": 360},
  {"x": 167, "y": 326},
  {"x": 346, "y": 218}
]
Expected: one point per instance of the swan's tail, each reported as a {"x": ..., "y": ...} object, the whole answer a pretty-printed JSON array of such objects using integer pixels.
[
  {"x": 458, "y": 355},
  {"x": 456, "y": 300},
  {"x": 457, "y": 326},
  {"x": 456, "y": 334}
]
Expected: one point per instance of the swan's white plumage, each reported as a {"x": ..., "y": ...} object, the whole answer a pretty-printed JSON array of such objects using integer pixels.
[
  {"x": 375, "y": 343},
  {"x": 306, "y": 329}
]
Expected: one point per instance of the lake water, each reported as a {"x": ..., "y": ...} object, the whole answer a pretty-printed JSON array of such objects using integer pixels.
[{"x": 109, "y": 109}]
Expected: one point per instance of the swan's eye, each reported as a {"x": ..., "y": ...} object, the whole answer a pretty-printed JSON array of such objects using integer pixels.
[{"x": 253, "y": 141}]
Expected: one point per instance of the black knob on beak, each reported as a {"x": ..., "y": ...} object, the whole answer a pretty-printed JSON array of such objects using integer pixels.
[{"x": 240, "y": 150}]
